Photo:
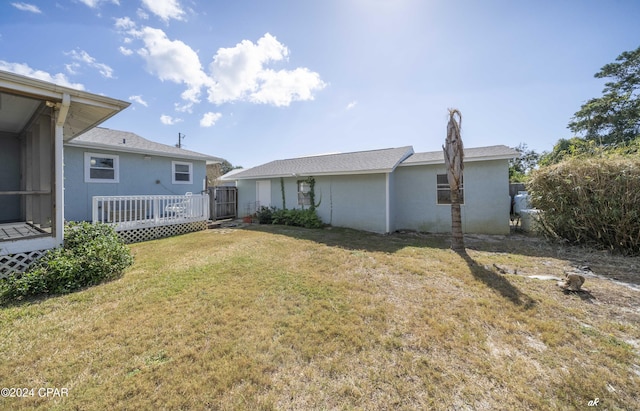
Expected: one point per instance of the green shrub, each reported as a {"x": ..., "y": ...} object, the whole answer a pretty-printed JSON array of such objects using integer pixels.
[
  {"x": 91, "y": 254},
  {"x": 265, "y": 215},
  {"x": 307, "y": 218},
  {"x": 591, "y": 201}
]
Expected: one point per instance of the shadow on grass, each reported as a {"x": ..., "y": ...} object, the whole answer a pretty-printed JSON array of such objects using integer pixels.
[
  {"x": 515, "y": 243},
  {"x": 7, "y": 302},
  {"x": 497, "y": 282},
  {"x": 356, "y": 240}
]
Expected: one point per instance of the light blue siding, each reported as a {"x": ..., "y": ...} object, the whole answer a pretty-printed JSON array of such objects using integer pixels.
[
  {"x": 354, "y": 201},
  {"x": 139, "y": 175},
  {"x": 486, "y": 199},
  {"x": 360, "y": 201}
]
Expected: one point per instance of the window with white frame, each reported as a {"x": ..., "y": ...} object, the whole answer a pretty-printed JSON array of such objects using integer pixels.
[
  {"x": 101, "y": 168},
  {"x": 182, "y": 173},
  {"x": 444, "y": 190},
  {"x": 304, "y": 190}
]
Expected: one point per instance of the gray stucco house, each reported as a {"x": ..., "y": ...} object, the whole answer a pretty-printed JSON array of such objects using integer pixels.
[
  {"x": 386, "y": 190},
  {"x": 106, "y": 162}
]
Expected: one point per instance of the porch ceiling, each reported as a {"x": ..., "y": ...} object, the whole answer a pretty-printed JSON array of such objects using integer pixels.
[
  {"x": 21, "y": 97},
  {"x": 16, "y": 111}
]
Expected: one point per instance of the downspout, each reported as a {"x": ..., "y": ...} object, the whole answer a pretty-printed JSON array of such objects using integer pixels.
[
  {"x": 387, "y": 205},
  {"x": 61, "y": 117}
]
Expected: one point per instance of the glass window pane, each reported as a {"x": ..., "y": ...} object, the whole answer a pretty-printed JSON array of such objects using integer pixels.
[
  {"x": 102, "y": 174},
  {"x": 101, "y": 162},
  {"x": 182, "y": 168}
]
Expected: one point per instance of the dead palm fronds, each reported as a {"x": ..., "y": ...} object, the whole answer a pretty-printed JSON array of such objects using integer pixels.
[{"x": 453, "y": 158}]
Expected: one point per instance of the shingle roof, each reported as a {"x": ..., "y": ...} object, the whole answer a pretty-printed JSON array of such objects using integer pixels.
[
  {"x": 126, "y": 141},
  {"x": 361, "y": 162},
  {"x": 499, "y": 152}
]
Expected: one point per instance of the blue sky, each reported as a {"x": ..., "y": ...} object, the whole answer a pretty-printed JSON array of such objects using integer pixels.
[{"x": 254, "y": 81}]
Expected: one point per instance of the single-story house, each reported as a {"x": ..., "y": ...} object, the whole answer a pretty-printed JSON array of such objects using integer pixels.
[
  {"x": 36, "y": 119},
  {"x": 105, "y": 162},
  {"x": 385, "y": 190}
]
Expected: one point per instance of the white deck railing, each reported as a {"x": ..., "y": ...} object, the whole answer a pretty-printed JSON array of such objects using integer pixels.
[{"x": 130, "y": 212}]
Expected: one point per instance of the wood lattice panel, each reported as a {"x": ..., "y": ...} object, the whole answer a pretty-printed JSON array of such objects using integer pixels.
[
  {"x": 18, "y": 263},
  {"x": 151, "y": 233}
]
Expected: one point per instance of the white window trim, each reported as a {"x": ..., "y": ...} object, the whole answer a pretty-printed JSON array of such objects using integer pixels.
[
  {"x": 87, "y": 168},
  {"x": 173, "y": 172}
]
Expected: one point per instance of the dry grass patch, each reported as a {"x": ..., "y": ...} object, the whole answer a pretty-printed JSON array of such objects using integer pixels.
[{"x": 285, "y": 318}]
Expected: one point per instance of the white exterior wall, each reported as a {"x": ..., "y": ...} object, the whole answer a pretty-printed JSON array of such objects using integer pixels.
[{"x": 486, "y": 198}]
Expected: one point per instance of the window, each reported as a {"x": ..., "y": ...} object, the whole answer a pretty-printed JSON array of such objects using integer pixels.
[
  {"x": 182, "y": 172},
  {"x": 101, "y": 168},
  {"x": 304, "y": 196},
  {"x": 444, "y": 190}
]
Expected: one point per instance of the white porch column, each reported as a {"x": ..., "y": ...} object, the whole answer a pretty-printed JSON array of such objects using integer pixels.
[{"x": 58, "y": 205}]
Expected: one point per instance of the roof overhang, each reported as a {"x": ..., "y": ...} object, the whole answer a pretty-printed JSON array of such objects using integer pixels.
[
  {"x": 25, "y": 96},
  {"x": 306, "y": 174},
  {"x": 134, "y": 150}
]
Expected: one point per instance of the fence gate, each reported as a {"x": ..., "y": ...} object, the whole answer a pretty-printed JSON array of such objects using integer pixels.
[{"x": 225, "y": 202}]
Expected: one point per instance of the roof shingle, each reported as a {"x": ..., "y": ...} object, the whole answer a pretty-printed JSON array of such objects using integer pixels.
[
  {"x": 126, "y": 141},
  {"x": 364, "y": 162},
  {"x": 361, "y": 162}
]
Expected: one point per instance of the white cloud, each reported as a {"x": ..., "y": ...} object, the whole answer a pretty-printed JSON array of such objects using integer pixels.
[
  {"x": 282, "y": 87},
  {"x": 172, "y": 60},
  {"x": 184, "y": 108},
  {"x": 142, "y": 14},
  {"x": 84, "y": 57},
  {"x": 72, "y": 68},
  {"x": 165, "y": 9},
  {"x": 25, "y": 70},
  {"x": 124, "y": 23},
  {"x": 169, "y": 121},
  {"x": 351, "y": 105},
  {"x": 125, "y": 51},
  {"x": 95, "y": 3},
  {"x": 239, "y": 73},
  {"x": 139, "y": 100},
  {"x": 27, "y": 7},
  {"x": 209, "y": 119}
]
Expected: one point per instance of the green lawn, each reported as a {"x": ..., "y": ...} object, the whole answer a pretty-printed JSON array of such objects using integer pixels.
[{"x": 272, "y": 317}]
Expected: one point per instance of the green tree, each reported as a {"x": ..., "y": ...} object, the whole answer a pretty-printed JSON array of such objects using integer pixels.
[
  {"x": 520, "y": 167},
  {"x": 226, "y": 166},
  {"x": 569, "y": 148},
  {"x": 615, "y": 117}
]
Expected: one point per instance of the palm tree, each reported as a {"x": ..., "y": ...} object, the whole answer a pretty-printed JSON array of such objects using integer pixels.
[{"x": 453, "y": 159}]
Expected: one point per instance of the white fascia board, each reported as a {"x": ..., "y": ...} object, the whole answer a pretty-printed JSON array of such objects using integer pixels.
[
  {"x": 465, "y": 160},
  {"x": 41, "y": 89}
]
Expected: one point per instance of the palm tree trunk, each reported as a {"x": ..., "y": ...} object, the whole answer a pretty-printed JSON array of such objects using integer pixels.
[
  {"x": 457, "y": 238},
  {"x": 453, "y": 158}
]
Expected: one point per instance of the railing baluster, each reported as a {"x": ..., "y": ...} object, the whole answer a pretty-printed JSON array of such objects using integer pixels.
[{"x": 130, "y": 211}]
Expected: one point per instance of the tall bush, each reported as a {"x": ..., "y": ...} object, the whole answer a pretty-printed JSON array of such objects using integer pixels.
[
  {"x": 591, "y": 201},
  {"x": 91, "y": 254}
]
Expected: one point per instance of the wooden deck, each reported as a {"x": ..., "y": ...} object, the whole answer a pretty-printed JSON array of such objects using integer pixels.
[{"x": 15, "y": 231}]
